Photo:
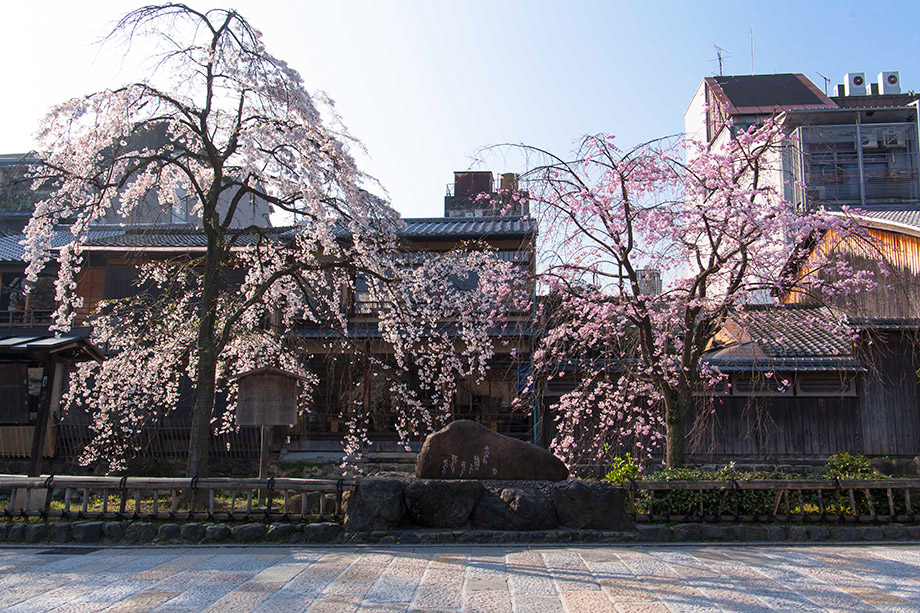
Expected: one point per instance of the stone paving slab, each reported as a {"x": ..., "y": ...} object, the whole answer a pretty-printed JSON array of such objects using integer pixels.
[{"x": 616, "y": 579}]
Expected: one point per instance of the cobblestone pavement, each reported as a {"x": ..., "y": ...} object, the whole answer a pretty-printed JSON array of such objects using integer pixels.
[{"x": 463, "y": 578}]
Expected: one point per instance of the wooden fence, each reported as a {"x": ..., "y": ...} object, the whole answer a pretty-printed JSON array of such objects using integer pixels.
[
  {"x": 230, "y": 499},
  {"x": 819, "y": 500},
  {"x": 163, "y": 498}
]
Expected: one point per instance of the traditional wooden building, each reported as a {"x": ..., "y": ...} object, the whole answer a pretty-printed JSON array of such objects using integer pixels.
[
  {"x": 113, "y": 253},
  {"x": 855, "y": 152}
]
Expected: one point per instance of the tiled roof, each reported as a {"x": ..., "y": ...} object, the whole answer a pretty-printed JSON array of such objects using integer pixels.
[
  {"x": 795, "y": 332},
  {"x": 46, "y": 343},
  {"x": 182, "y": 237},
  {"x": 468, "y": 227},
  {"x": 740, "y": 364},
  {"x": 12, "y": 251},
  {"x": 766, "y": 93},
  {"x": 179, "y": 237},
  {"x": 784, "y": 338},
  {"x": 885, "y": 323},
  {"x": 907, "y": 217}
]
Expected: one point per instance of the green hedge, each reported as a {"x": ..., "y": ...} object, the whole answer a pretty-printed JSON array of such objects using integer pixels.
[{"x": 757, "y": 502}]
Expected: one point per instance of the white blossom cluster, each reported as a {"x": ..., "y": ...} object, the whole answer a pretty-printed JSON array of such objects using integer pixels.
[{"x": 221, "y": 123}]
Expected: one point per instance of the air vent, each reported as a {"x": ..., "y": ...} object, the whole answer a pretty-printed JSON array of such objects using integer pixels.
[
  {"x": 826, "y": 386},
  {"x": 760, "y": 385}
]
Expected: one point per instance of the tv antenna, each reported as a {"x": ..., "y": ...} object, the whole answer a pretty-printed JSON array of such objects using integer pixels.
[
  {"x": 719, "y": 52},
  {"x": 826, "y": 81},
  {"x": 752, "y": 50}
]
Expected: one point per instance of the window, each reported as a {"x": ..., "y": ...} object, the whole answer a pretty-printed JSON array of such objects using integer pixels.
[{"x": 840, "y": 163}]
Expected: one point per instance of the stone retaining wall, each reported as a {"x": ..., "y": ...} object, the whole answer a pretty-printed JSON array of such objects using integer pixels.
[
  {"x": 390, "y": 503},
  {"x": 142, "y": 533}
]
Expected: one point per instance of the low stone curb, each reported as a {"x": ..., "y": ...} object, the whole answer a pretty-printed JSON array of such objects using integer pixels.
[
  {"x": 721, "y": 533},
  {"x": 140, "y": 533}
]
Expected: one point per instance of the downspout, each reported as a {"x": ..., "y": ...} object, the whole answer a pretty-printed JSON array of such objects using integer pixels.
[
  {"x": 535, "y": 402},
  {"x": 916, "y": 105},
  {"x": 859, "y": 153}
]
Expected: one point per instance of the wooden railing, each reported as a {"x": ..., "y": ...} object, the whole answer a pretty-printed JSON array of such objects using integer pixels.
[
  {"x": 231, "y": 499},
  {"x": 25, "y": 319},
  {"x": 819, "y": 500},
  {"x": 164, "y": 498}
]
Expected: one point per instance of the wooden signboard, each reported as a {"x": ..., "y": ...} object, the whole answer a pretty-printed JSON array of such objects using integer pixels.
[{"x": 267, "y": 397}]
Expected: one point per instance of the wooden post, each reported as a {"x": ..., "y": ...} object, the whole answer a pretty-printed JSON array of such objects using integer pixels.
[
  {"x": 40, "y": 432},
  {"x": 267, "y": 398},
  {"x": 264, "y": 453},
  {"x": 48, "y": 400}
]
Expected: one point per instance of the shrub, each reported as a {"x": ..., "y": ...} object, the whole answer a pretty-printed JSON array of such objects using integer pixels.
[
  {"x": 621, "y": 469},
  {"x": 843, "y": 465},
  {"x": 710, "y": 502}
]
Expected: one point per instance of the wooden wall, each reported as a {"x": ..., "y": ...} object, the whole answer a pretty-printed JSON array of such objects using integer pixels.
[
  {"x": 889, "y": 403},
  {"x": 896, "y": 292},
  {"x": 777, "y": 426},
  {"x": 883, "y": 420}
]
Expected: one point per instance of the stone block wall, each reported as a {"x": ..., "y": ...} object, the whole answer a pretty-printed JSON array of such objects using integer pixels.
[{"x": 388, "y": 503}]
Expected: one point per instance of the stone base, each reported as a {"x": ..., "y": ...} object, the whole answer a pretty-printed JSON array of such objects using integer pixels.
[{"x": 95, "y": 533}]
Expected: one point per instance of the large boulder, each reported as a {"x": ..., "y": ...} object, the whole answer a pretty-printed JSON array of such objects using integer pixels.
[
  {"x": 595, "y": 505},
  {"x": 375, "y": 504},
  {"x": 437, "y": 503},
  {"x": 514, "y": 508},
  {"x": 466, "y": 450}
]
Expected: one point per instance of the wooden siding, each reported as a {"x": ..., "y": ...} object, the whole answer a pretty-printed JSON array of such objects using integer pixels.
[
  {"x": 90, "y": 287},
  {"x": 14, "y": 394},
  {"x": 895, "y": 294},
  {"x": 16, "y": 441},
  {"x": 776, "y": 426},
  {"x": 889, "y": 404},
  {"x": 879, "y": 416},
  {"x": 883, "y": 419}
]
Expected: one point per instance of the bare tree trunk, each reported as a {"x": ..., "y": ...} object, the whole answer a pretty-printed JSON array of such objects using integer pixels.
[
  {"x": 201, "y": 417},
  {"x": 676, "y": 430},
  {"x": 207, "y": 369}
]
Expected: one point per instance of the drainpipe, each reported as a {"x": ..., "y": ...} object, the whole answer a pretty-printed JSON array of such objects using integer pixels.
[
  {"x": 916, "y": 105},
  {"x": 859, "y": 153}
]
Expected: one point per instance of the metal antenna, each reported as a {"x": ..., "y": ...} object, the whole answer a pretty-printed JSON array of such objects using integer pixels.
[
  {"x": 752, "y": 50},
  {"x": 826, "y": 81},
  {"x": 719, "y": 52}
]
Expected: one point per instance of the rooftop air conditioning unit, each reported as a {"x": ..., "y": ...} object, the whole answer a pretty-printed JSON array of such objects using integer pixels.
[
  {"x": 855, "y": 83},
  {"x": 870, "y": 141},
  {"x": 889, "y": 82},
  {"x": 816, "y": 193},
  {"x": 893, "y": 140}
]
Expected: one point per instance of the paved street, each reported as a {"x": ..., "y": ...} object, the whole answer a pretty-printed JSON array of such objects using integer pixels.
[{"x": 539, "y": 579}]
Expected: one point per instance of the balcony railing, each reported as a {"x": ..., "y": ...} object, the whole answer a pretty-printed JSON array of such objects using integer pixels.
[{"x": 25, "y": 319}]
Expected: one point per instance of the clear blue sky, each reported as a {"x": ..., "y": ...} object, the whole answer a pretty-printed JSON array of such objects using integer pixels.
[{"x": 425, "y": 83}]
